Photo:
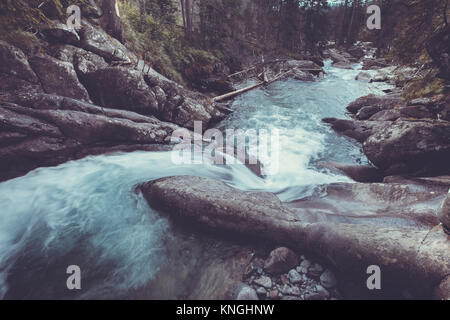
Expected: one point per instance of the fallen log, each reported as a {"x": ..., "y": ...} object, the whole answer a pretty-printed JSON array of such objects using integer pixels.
[
  {"x": 417, "y": 260},
  {"x": 254, "y": 86}
]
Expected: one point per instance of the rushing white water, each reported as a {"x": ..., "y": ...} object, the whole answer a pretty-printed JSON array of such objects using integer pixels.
[{"x": 86, "y": 212}]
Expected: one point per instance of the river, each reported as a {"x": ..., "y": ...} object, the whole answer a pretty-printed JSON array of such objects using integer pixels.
[{"x": 87, "y": 213}]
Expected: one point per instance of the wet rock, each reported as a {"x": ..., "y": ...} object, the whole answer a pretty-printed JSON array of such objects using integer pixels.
[
  {"x": 294, "y": 277},
  {"x": 444, "y": 213},
  {"x": 342, "y": 65},
  {"x": 304, "y": 265},
  {"x": 364, "y": 77},
  {"x": 301, "y": 75},
  {"x": 402, "y": 253},
  {"x": 263, "y": 281},
  {"x": 247, "y": 293},
  {"x": 359, "y": 130},
  {"x": 59, "y": 77},
  {"x": 358, "y": 173},
  {"x": 411, "y": 146},
  {"x": 13, "y": 62},
  {"x": 327, "y": 279},
  {"x": 61, "y": 33},
  {"x": 382, "y": 102},
  {"x": 357, "y": 52},
  {"x": 409, "y": 205},
  {"x": 366, "y": 112},
  {"x": 280, "y": 260}
]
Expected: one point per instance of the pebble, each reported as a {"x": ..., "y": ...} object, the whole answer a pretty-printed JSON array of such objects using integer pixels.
[
  {"x": 290, "y": 291},
  {"x": 294, "y": 277},
  {"x": 273, "y": 294},
  {"x": 263, "y": 281},
  {"x": 247, "y": 293}
]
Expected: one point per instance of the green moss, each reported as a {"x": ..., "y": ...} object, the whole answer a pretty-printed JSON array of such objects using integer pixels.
[{"x": 424, "y": 86}]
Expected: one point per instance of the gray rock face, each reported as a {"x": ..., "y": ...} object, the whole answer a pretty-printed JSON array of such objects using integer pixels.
[
  {"x": 60, "y": 32},
  {"x": 97, "y": 41},
  {"x": 84, "y": 61},
  {"x": 409, "y": 146},
  {"x": 386, "y": 115},
  {"x": 14, "y": 62},
  {"x": 121, "y": 88},
  {"x": 280, "y": 261},
  {"x": 59, "y": 77},
  {"x": 44, "y": 130}
]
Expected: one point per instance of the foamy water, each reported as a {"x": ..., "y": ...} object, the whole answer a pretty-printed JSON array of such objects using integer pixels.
[{"x": 86, "y": 212}]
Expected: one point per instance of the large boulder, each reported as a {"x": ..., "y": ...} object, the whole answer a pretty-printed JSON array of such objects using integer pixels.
[
  {"x": 59, "y": 77},
  {"x": 46, "y": 130},
  {"x": 280, "y": 260},
  {"x": 414, "y": 259},
  {"x": 96, "y": 40},
  {"x": 83, "y": 61},
  {"x": 382, "y": 102},
  {"x": 121, "y": 88},
  {"x": 411, "y": 146},
  {"x": 61, "y": 33},
  {"x": 356, "y": 129},
  {"x": 13, "y": 62}
]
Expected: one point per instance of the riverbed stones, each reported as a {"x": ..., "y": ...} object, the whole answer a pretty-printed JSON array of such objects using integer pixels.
[
  {"x": 281, "y": 260},
  {"x": 247, "y": 293},
  {"x": 294, "y": 277},
  {"x": 263, "y": 281}
]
